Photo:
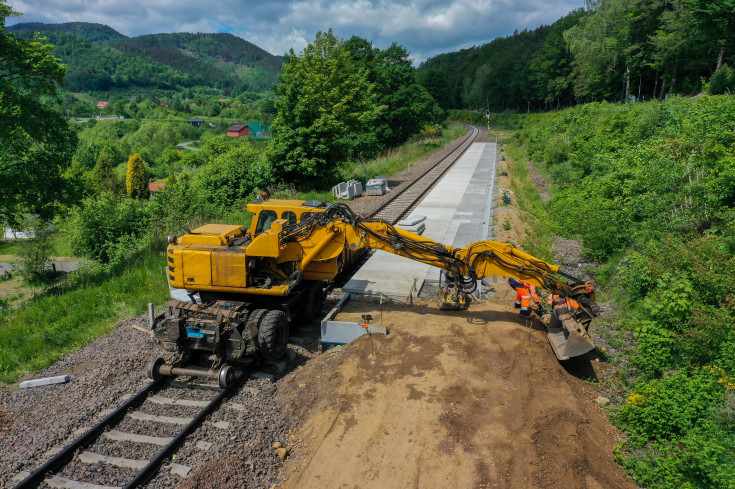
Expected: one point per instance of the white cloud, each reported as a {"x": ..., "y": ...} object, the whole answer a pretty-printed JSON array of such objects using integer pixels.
[{"x": 425, "y": 27}]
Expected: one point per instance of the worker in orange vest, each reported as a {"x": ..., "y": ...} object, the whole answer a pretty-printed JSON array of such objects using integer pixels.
[
  {"x": 532, "y": 290},
  {"x": 558, "y": 300},
  {"x": 523, "y": 297}
]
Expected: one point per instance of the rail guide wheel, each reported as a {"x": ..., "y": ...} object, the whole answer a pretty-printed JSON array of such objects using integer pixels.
[
  {"x": 226, "y": 376},
  {"x": 154, "y": 367}
]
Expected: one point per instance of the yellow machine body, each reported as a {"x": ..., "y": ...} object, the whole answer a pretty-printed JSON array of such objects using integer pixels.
[{"x": 293, "y": 242}]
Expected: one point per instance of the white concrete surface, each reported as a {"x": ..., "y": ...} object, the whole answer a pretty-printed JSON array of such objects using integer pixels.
[{"x": 455, "y": 210}]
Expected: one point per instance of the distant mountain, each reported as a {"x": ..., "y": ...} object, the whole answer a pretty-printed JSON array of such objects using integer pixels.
[
  {"x": 100, "y": 58},
  {"x": 85, "y": 30}
]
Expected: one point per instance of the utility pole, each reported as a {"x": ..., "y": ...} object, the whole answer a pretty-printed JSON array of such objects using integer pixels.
[{"x": 487, "y": 112}]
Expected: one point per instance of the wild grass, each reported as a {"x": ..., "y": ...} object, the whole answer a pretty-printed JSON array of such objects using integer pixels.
[
  {"x": 401, "y": 158},
  {"x": 541, "y": 242},
  {"x": 49, "y": 326}
]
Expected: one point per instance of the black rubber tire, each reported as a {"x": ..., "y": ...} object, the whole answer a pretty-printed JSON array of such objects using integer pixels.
[
  {"x": 273, "y": 335},
  {"x": 314, "y": 301}
]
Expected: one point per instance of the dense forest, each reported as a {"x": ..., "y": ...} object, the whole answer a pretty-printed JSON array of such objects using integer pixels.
[
  {"x": 101, "y": 59},
  {"x": 612, "y": 50}
]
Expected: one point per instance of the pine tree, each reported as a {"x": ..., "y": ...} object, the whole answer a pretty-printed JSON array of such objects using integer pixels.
[{"x": 136, "y": 179}]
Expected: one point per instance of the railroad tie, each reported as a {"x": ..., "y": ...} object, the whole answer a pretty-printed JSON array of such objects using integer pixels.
[
  {"x": 152, "y": 440},
  {"x": 141, "y": 416},
  {"x": 177, "y": 402},
  {"x": 95, "y": 458},
  {"x": 59, "y": 482}
]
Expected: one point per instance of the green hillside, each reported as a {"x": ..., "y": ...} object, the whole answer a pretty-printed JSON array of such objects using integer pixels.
[
  {"x": 101, "y": 59},
  {"x": 612, "y": 50},
  {"x": 85, "y": 30}
]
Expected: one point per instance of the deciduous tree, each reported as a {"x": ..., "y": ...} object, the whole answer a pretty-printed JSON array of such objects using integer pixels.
[
  {"x": 36, "y": 144},
  {"x": 326, "y": 112}
]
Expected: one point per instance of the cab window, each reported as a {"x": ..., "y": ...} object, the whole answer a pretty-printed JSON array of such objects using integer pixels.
[
  {"x": 290, "y": 216},
  {"x": 265, "y": 220}
]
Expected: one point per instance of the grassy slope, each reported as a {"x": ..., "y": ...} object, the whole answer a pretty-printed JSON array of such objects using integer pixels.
[{"x": 656, "y": 178}]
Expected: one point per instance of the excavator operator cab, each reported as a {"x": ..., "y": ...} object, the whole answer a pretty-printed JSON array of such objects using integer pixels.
[
  {"x": 293, "y": 211},
  {"x": 265, "y": 219}
]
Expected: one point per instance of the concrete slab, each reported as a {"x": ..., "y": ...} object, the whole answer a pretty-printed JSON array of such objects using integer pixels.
[
  {"x": 456, "y": 211},
  {"x": 93, "y": 458},
  {"x": 141, "y": 416},
  {"x": 123, "y": 436}
]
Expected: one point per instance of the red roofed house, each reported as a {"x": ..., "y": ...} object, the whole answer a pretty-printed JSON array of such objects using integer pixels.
[
  {"x": 153, "y": 187},
  {"x": 238, "y": 130},
  {"x": 102, "y": 105}
]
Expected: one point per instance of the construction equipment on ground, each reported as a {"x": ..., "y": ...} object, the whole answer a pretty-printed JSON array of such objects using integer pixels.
[{"x": 252, "y": 283}]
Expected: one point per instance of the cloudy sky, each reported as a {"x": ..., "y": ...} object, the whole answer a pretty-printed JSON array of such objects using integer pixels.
[{"x": 425, "y": 27}]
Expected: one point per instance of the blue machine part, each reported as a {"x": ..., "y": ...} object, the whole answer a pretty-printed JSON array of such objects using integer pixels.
[{"x": 194, "y": 333}]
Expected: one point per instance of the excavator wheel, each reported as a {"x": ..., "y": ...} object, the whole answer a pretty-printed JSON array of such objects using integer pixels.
[
  {"x": 314, "y": 301},
  {"x": 273, "y": 335}
]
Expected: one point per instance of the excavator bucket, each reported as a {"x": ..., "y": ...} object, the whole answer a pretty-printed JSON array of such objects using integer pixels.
[{"x": 568, "y": 337}]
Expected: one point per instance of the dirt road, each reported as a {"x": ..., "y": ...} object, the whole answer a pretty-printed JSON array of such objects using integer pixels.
[
  {"x": 466, "y": 399},
  {"x": 472, "y": 399}
]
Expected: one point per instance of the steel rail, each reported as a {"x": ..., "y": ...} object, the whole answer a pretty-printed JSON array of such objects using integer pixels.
[
  {"x": 424, "y": 183},
  {"x": 67, "y": 454},
  {"x": 150, "y": 470},
  {"x": 64, "y": 457}
]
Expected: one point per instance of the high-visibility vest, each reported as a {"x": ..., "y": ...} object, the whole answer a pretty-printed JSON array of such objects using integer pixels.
[
  {"x": 567, "y": 301},
  {"x": 532, "y": 290},
  {"x": 523, "y": 297}
]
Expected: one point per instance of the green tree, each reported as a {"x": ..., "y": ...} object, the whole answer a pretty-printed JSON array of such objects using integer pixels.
[
  {"x": 552, "y": 64},
  {"x": 136, "y": 179},
  {"x": 716, "y": 20},
  {"x": 37, "y": 143},
  {"x": 34, "y": 253},
  {"x": 104, "y": 178},
  {"x": 408, "y": 105},
  {"x": 598, "y": 43},
  {"x": 326, "y": 112},
  {"x": 436, "y": 84}
]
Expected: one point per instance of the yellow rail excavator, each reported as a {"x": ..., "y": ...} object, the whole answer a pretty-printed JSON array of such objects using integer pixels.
[{"x": 252, "y": 282}]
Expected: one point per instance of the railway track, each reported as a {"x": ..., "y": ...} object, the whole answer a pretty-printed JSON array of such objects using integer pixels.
[
  {"x": 128, "y": 447},
  {"x": 407, "y": 198}
]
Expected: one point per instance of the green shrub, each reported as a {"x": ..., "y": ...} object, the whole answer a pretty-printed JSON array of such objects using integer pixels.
[
  {"x": 99, "y": 223},
  {"x": 722, "y": 81}
]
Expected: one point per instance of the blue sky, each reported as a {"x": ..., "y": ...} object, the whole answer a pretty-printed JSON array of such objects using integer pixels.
[{"x": 425, "y": 27}]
